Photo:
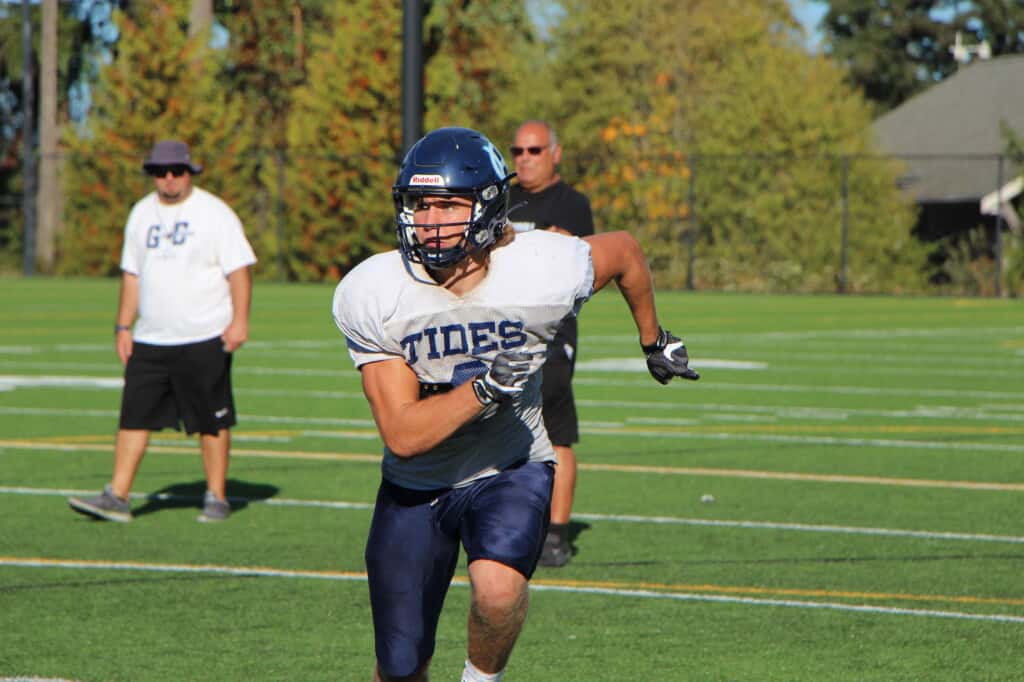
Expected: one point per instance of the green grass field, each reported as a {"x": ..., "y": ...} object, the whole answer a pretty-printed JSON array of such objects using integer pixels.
[{"x": 865, "y": 456}]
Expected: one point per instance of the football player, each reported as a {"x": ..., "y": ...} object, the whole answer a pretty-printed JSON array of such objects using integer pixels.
[{"x": 449, "y": 333}]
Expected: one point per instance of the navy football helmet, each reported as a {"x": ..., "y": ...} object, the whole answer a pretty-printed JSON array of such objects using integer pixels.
[{"x": 452, "y": 162}]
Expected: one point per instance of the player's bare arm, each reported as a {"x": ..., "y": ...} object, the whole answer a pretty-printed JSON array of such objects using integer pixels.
[
  {"x": 237, "y": 331},
  {"x": 617, "y": 256},
  {"x": 127, "y": 307},
  {"x": 409, "y": 425}
]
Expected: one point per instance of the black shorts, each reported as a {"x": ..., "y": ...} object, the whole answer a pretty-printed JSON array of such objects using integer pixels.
[
  {"x": 559, "y": 404},
  {"x": 190, "y": 384}
]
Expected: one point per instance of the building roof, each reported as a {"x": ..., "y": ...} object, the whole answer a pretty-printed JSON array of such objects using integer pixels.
[{"x": 958, "y": 117}]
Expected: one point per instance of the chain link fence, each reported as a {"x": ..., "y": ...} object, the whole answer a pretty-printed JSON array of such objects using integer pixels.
[{"x": 778, "y": 223}]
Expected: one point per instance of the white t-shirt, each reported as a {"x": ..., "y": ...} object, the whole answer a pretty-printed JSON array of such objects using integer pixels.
[
  {"x": 182, "y": 255},
  {"x": 388, "y": 308}
]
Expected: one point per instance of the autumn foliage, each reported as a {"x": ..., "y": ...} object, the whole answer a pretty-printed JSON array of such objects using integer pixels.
[{"x": 702, "y": 126}]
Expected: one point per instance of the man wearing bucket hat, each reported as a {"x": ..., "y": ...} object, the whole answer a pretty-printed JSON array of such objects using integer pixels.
[{"x": 186, "y": 286}]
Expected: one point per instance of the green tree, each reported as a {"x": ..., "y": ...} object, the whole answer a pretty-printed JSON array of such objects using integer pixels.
[
  {"x": 161, "y": 85},
  {"x": 480, "y": 56},
  {"x": 720, "y": 146},
  {"x": 74, "y": 42},
  {"x": 267, "y": 56},
  {"x": 344, "y": 129},
  {"x": 1013, "y": 245},
  {"x": 343, "y": 136},
  {"x": 897, "y": 48},
  {"x": 773, "y": 220},
  {"x": 269, "y": 44}
]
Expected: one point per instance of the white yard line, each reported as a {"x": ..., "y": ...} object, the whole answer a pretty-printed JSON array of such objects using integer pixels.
[
  {"x": 704, "y": 386},
  {"x": 1016, "y": 397},
  {"x": 803, "y": 528},
  {"x": 108, "y": 368},
  {"x": 249, "y": 418},
  {"x": 958, "y": 446},
  {"x": 790, "y": 603},
  {"x": 987, "y": 412},
  {"x": 616, "y": 518},
  {"x": 591, "y": 428},
  {"x": 538, "y": 584},
  {"x": 839, "y": 334},
  {"x": 639, "y": 364},
  {"x": 9, "y": 381},
  {"x": 943, "y": 412},
  {"x": 189, "y": 450},
  {"x": 1004, "y": 359}
]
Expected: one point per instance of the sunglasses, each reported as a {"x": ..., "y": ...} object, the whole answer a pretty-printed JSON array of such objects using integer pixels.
[
  {"x": 534, "y": 151},
  {"x": 161, "y": 171}
]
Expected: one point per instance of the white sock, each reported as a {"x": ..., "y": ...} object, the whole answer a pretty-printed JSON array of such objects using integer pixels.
[{"x": 472, "y": 674}]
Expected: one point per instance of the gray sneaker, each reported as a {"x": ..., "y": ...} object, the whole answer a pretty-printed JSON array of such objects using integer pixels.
[
  {"x": 214, "y": 509},
  {"x": 106, "y": 506}
]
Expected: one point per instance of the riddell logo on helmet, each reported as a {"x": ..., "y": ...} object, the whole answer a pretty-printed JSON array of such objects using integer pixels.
[{"x": 425, "y": 179}]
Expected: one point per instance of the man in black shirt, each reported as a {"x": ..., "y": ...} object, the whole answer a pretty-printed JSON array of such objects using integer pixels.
[{"x": 542, "y": 200}]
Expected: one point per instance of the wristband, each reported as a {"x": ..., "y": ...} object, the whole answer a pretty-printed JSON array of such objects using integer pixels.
[
  {"x": 659, "y": 343},
  {"x": 122, "y": 328}
]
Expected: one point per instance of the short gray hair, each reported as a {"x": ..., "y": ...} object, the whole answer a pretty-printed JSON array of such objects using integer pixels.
[{"x": 552, "y": 136}]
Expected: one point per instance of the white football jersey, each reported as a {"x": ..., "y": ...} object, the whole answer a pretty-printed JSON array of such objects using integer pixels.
[
  {"x": 182, "y": 254},
  {"x": 388, "y": 308}
]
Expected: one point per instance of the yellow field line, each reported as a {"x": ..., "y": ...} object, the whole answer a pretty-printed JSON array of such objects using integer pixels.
[
  {"x": 749, "y": 429},
  {"x": 820, "y": 478},
  {"x": 59, "y": 444},
  {"x": 190, "y": 449},
  {"x": 105, "y": 438},
  {"x": 143, "y": 566},
  {"x": 571, "y": 584},
  {"x": 825, "y": 428},
  {"x": 789, "y": 592}
]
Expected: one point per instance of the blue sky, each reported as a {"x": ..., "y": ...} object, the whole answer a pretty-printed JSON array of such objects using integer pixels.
[{"x": 809, "y": 14}]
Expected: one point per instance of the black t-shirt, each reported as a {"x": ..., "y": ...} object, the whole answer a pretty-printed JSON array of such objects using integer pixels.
[{"x": 558, "y": 205}]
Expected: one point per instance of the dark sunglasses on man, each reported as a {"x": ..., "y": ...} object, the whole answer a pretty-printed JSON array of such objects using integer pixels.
[
  {"x": 162, "y": 171},
  {"x": 518, "y": 151}
]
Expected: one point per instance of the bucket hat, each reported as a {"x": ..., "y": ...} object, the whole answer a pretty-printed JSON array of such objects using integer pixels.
[{"x": 171, "y": 153}]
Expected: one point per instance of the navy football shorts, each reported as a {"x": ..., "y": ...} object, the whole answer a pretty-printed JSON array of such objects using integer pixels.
[
  {"x": 190, "y": 384},
  {"x": 413, "y": 550}
]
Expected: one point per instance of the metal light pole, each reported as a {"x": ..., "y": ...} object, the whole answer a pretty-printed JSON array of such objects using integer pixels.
[
  {"x": 1000, "y": 179},
  {"x": 844, "y": 228},
  {"x": 412, "y": 73},
  {"x": 28, "y": 156},
  {"x": 48, "y": 196},
  {"x": 691, "y": 234}
]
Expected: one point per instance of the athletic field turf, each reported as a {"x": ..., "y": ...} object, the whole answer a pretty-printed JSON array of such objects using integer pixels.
[{"x": 865, "y": 457}]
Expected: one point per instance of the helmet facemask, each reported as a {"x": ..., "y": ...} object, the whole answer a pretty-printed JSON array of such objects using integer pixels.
[
  {"x": 485, "y": 226},
  {"x": 452, "y": 162}
]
